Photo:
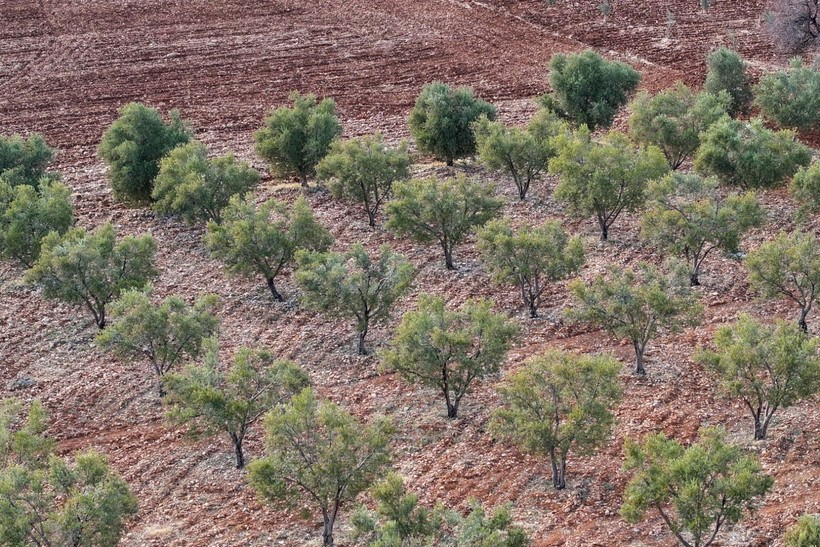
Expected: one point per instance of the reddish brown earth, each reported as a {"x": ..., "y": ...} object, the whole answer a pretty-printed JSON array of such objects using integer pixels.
[{"x": 65, "y": 68}]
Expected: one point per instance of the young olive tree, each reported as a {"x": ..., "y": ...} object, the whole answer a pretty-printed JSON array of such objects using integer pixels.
[
  {"x": 766, "y": 366},
  {"x": 789, "y": 266},
  {"x": 352, "y": 285},
  {"x": 558, "y": 403},
  {"x": 727, "y": 71},
  {"x": 197, "y": 188},
  {"x": 523, "y": 154},
  {"x": 805, "y": 187},
  {"x": 162, "y": 334},
  {"x": 24, "y": 161},
  {"x": 448, "y": 349},
  {"x": 531, "y": 258},
  {"x": 28, "y": 214},
  {"x": 689, "y": 216},
  {"x": 46, "y": 499},
  {"x": 604, "y": 179},
  {"x": 587, "y": 89},
  {"x": 673, "y": 120},
  {"x": 294, "y": 139},
  {"x": 697, "y": 490},
  {"x": 805, "y": 533},
  {"x": 364, "y": 170},
  {"x": 443, "y": 211},
  {"x": 319, "y": 452},
  {"x": 211, "y": 398},
  {"x": 636, "y": 305},
  {"x": 93, "y": 268},
  {"x": 791, "y": 97},
  {"x": 134, "y": 145},
  {"x": 263, "y": 239},
  {"x": 441, "y": 120},
  {"x": 749, "y": 155}
]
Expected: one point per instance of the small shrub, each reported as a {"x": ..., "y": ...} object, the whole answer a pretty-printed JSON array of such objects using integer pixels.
[{"x": 727, "y": 71}]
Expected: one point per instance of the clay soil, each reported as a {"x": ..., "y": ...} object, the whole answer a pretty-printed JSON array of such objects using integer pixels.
[{"x": 67, "y": 65}]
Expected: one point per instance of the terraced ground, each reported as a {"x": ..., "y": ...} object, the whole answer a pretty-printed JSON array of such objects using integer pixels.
[{"x": 65, "y": 68}]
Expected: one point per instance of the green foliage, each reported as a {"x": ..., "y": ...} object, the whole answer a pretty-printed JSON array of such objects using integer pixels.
[
  {"x": 805, "y": 188},
  {"x": 294, "y": 139},
  {"x": 749, "y": 155},
  {"x": 162, "y": 334},
  {"x": 559, "y": 402},
  {"x": 805, "y": 533},
  {"x": 352, "y": 285},
  {"x": 24, "y": 161},
  {"x": 92, "y": 268},
  {"x": 448, "y": 349},
  {"x": 673, "y": 119},
  {"x": 766, "y": 366},
  {"x": 587, "y": 89},
  {"x": 726, "y": 71},
  {"x": 191, "y": 185},
  {"x": 523, "y": 154},
  {"x": 48, "y": 500},
  {"x": 688, "y": 215},
  {"x": 28, "y": 214},
  {"x": 788, "y": 266},
  {"x": 212, "y": 399},
  {"x": 441, "y": 119},
  {"x": 697, "y": 490},
  {"x": 400, "y": 521},
  {"x": 443, "y": 211},
  {"x": 531, "y": 257},
  {"x": 604, "y": 179},
  {"x": 636, "y": 305},
  {"x": 364, "y": 170},
  {"x": 319, "y": 452},
  {"x": 792, "y": 97},
  {"x": 134, "y": 145},
  {"x": 263, "y": 239}
]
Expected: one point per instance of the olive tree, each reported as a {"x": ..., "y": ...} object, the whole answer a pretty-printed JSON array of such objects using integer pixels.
[
  {"x": 531, "y": 257},
  {"x": 690, "y": 216},
  {"x": 557, "y": 404},
  {"x": 294, "y": 139},
  {"x": 24, "y": 161},
  {"x": 352, "y": 285},
  {"x": 212, "y": 398},
  {"x": 637, "y": 305},
  {"x": 263, "y": 239},
  {"x": 805, "y": 187},
  {"x": 604, "y": 179},
  {"x": 47, "y": 499},
  {"x": 28, "y": 214},
  {"x": 162, "y": 334},
  {"x": 791, "y": 97},
  {"x": 794, "y": 24},
  {"x": 134, "y": 145},
  {"x": 316, "y": 451},
  {"x": 93, "y": 268},
  {"x": 363, "y": 170},
  {"x": 197, "y": 188},
  {"x": 768, "y": 367},
  {"x": 727, "y": 71},
  {"x": 448, "y": 349},
  {"x": 749, "y": 155},
  {"x": 523, "y": 154},
  {"x": 587, "y": 89},
  {"x": 443, "y": 211},
  {"x": 673, "y": 120},
  {"x": 698, "y": 490},
  {"x": 789, "y": 266},
  {"x": 441, "y": 120}
]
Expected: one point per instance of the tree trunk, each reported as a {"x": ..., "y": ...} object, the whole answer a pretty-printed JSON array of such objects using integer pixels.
[
  {"x": 303, "y": 181},
  {"x": 694, "y": 279},
  {"x": 161, "y": 387},
  {"x": 639, "y": 349},
  {"x": 360, "y": 348},
  {"x": 559, "y": 472},
  {"x": 449, "y": 162},
  {"x": 371, "y": 217},
  {"x": 452, "y": 410},
  {"x": 273, "y": 291},
  {"x": 760, "y": 429},
  {"x": 533, "y": 309},
  {"x": 604, "y": 231},
  {"x": 801, "y": 319},
  {"x": 327, "y": 532},
  {"x": 237, "y": 448},
  {"x": 448, "y": 256}
]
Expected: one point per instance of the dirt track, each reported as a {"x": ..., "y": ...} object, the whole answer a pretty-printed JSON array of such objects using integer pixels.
[{"x": 66, "y": 66}]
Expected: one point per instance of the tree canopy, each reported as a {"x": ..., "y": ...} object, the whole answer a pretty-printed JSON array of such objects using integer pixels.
[
  {"x": 727, "y": 71},
  {"x": 24, "y": 161}
]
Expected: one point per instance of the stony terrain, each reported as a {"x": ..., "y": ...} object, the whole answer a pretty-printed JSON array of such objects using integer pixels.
[{"x": 67, "y": 65}]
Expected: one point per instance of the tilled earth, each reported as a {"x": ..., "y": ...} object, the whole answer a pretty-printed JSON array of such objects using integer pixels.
[{"x": 65, "y": 68}]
